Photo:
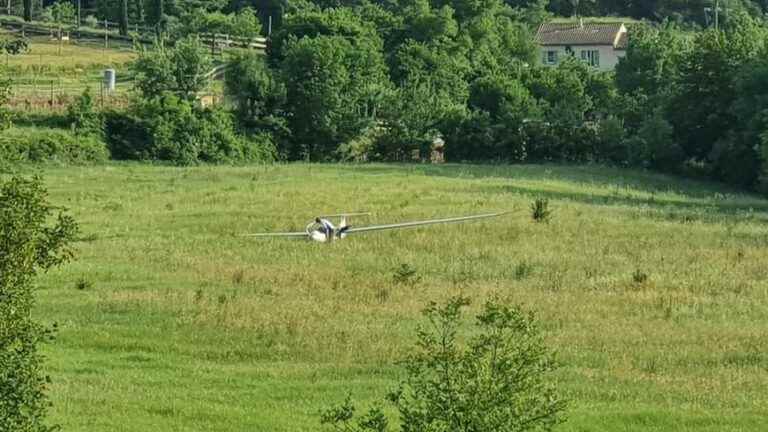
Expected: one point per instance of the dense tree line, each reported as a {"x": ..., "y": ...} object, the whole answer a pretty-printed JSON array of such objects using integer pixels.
[
  {"x": 387, "y": 81},
  {"x": 363, "y": 80},
  {"x": 154, "y": 12}
]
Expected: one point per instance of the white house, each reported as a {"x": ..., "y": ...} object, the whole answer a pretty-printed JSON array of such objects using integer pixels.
[{"x": 598, "y": 44}]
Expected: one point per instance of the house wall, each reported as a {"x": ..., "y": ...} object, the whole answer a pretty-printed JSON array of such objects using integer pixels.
[{"x": 609, "y": 57}]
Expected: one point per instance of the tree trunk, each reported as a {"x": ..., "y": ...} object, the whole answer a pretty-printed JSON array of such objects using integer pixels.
[
  {"x": 160, "y": 16},
  {"x": 27, "y": 10},
  {"x": 124, "y": 17}
]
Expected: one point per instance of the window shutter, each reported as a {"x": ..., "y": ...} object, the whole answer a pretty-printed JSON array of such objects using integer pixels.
[
  {"x": 596, "y": 58},
  {"x": 544, "y": 57}
]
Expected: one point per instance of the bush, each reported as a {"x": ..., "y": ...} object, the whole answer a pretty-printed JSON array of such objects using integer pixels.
[
  {"x": 15, "y": 46},
  {"x": 540, "y": 211},
  {"x": 83, "y": 117},
  {"x": 175, "y": 130},
  {"x": 499, "y": 380},
  {"x": 29, "y": 244},
  {"x": 50, "y": 145},
  {"x": 611, "y": 138},
  {"x": 658, "y": 135},
  {"x": 91, "y": 21}
]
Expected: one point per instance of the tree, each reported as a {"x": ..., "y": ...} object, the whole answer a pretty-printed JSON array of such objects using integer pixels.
[
  {"x": 257, "y": 91},
  {"x": 182, "y": 69},
  {"x": 499, "y": 380},
  {"x": 27, "y": 10},
  {"x": 124, "y": 17},
  {"x": 652, "y": 60},
  {"x": 332, "y": 86},
  {"x": 29, "y": 244},
  {"x": 700, "y": 108}
]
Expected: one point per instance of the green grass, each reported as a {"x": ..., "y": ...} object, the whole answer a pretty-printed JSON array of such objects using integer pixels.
[
  {"x": 189, "y": 327},
  {"x": 45, "y": 72}
]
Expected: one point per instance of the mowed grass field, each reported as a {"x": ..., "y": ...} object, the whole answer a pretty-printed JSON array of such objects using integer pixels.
[{"x": 653, "y": 290}]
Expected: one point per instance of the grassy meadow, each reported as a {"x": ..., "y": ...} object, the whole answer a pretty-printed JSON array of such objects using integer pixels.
[
  {"x": 652, "y": 289},
  {"x": 50, "y": 72}
]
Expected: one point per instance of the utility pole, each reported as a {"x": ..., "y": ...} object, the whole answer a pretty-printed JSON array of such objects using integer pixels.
[{"x": 717, "y": 15}]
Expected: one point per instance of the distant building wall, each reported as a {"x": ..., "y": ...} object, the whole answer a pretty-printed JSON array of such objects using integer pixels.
[{"x": 608, "y": 56}]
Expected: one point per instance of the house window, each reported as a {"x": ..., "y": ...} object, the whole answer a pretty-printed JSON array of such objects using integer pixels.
[
  {"x": 591, "y": 57},
  {"x": 550, "y": 57}
]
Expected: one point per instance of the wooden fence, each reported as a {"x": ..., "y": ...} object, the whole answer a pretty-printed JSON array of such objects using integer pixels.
[
  {"x": 219, "y": 42},
  {"x": 54, "y": 95}
]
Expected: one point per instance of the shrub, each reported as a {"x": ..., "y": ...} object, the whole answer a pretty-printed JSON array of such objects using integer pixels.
[
  {"x": 540, "y": 211},
  {"x": 611, "y": 138},
  {"x": 13, "y": 47},
  {"x": 91, "y": 21},
  {"x": 499, "y": 380},
  {"x": 29, "y": 244},
  {"x": 83, "y": 117},
  {"x": 175, "y": 130},
  {"x": 50, "y": 145},
  {"x": 658, "y": 136}
]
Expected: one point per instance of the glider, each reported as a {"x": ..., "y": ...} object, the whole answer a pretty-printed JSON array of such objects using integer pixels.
[{"x": 324, "y": 231}]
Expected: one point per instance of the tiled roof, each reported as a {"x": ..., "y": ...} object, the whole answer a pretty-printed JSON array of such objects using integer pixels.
[{"x": 576, "y": 34}]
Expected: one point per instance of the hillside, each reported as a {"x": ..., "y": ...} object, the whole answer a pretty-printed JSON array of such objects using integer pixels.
[{"x": 653, "y": 291}]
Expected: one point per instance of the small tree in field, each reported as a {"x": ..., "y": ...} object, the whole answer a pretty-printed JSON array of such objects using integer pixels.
[
  {"x": 498, "y": 381},
  {"x": 29, "y": 243}
]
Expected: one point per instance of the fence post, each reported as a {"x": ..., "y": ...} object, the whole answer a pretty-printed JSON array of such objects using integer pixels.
[{"x": 106, "y": 34}]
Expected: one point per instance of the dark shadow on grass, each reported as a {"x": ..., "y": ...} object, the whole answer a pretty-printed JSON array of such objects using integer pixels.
[
  {"x": 622, "y": 181},
  {"x": 669, "y": 210}
]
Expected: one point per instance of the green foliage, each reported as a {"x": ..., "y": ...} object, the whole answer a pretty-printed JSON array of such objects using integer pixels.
[
  {"x": 258, "y": 92},
  {"x": 311, "y": 23},
  {"x": 29, "y": 244},
  {"x": 657, "y": 140},
  {"x": 61, "y": 12},
  {"x": 337, "y": 95},
  {"x": 91, "y": 21},
  {"x": 15, "y": 46},
  {"x": 611, "y": 136},
  {"x": 499, "y": 379},
  {"x": 540, "y": 211},
  {"x": 406, "y": 274},
  {"x": 172, "y": 129},
  {"x": 83, "y": 117},
  {"x": 244, "y": 23},
  {"x": 50, "y": 145},
  {"x": 652, "y": 58},
  {"x": 5, "y": 95},
  {"x": 182, "y": 69},
  {"x": 499, "y": 105}
]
